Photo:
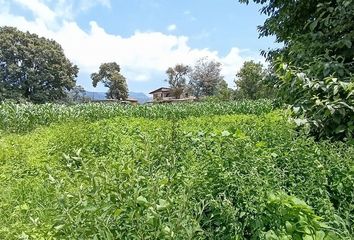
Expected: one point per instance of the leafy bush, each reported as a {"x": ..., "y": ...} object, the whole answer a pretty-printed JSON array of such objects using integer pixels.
[
  {"x": 204, "y": 177},
  {"x": 315, "y": 63},
  {"x": 326, "y": 104}
]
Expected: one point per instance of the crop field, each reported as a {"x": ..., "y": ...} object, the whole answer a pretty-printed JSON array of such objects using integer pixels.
[{"x": 235, "y": 170}]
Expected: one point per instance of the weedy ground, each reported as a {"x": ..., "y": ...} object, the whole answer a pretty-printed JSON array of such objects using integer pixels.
[{"x": 204, "y": 171}]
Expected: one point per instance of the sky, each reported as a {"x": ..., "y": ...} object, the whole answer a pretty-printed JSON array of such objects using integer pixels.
[{"x": 144, "y": 37}]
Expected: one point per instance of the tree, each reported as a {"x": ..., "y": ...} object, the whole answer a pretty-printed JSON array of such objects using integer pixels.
[
  {"x": 3, "y": 75},
  {"x": 177, "y": 79},
  {"x": 223, "y": 92},
  {"x": 309, "y": 29},
  {"x": 33, "y": 68},
  {"x": 77, "y": 94},
  {"x": 205, "y": 77},
  {"x": 249, "y": 80},
  {"x": 315, "y": 66},
  {"x": 109, "y": 74}
]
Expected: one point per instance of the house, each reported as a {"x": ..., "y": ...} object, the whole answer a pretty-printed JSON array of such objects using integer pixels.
[
  {"x": 131, "y": 101},
  {"x": 164, "y": 94}
]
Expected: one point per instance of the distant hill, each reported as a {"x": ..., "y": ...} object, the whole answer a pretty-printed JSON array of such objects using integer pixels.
[
  {"x": 141, "y": 97},
  {"x": 96, "y": 95}
]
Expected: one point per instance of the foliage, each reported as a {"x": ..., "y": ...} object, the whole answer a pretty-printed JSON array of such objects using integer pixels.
[
  {"x": 326, "y": 105},
  {"x": 77, "y": 95},
  {"x": 223, "y": 92},
  {"x": 296, "y": 220},
  {"x": 251, "y": 82},
  {"x": 109, "y": 74},
  {"x": 34, "y": 69},
  {"x": 318, "y": 46},
  {"x": 177, "y": 79},
  {"x": 205, "y": 77},
  {"x": 202, "y": 177},
  {"x": 26, "y": 117}
]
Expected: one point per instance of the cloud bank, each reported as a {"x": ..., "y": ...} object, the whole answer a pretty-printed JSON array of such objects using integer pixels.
[{"x": 141, "y": 56}]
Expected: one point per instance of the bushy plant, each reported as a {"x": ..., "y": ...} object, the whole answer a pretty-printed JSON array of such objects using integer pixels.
[
  {"x": 315, "y": 61},
  {"x": 326, "y": 104},
  {"x": 202, "y": 177}
]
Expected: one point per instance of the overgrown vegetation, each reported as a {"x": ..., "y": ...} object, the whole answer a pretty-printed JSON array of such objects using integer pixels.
[
  {"x": 170, "y": 172},
  {"x": 208, "y": 170},
  {"x": 315, "y": 66},
  {"x": 19, "y": 118}
]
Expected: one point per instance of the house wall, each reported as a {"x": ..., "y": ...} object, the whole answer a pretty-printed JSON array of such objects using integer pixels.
[{"x": 160, "y": 95}]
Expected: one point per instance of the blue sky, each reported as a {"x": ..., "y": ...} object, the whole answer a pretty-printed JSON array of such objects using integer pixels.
[{"x": 144, "y": 36}]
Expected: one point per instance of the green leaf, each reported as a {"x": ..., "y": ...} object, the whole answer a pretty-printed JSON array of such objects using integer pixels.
[
  {"x": 300, "y": 122},
  {"x": 117, "y": 212},
  {"x": 347, "y": 43},
  {"x": 289, "y": 227},
  {"x": 313, "y": 25},
  {"x": 320, "y": 235},
  {"x": 166, "y": 230},
  {"x": 270, "y": 235},
  {"x": 163, "y": 204},
  {"x": 340, "y": 129},
  {"x": 296, "y": 109},
  {"x": 142, "y": 200},
  {"x": 225, "y": 134},
  {"x": 23, "y": 236},
  {"x": 59, "y": 227}
]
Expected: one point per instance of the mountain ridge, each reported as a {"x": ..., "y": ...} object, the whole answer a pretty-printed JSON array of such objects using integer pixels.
[{"x": 141, "y": 97}]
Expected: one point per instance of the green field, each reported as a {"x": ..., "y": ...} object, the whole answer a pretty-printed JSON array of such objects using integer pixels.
[{"x": 236, "y": 170}]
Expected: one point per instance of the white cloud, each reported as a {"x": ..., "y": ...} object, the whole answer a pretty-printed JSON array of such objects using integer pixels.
[
  {"x": 142, "y": 55},
  {"x": 87, "y": 4},
  {"x": 172, "y": 27},
  {"x": 142, "y": 77},
  {"x": 54, "y": 12},
  {"x": 38, "y": 8}
]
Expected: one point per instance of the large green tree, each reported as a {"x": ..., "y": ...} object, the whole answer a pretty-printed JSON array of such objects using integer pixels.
[
  {"x": 177, "y": 79},
  {"x": 109, "y": 74},
  {"x": 315, "y": 66},
  {"x": 223, "y": 91},
  {"x": 248, "y": 79},
  {"x": 252, "y": 82},
  {"x": 205, "y": 77},
  {"x": 33, "y": 68}
]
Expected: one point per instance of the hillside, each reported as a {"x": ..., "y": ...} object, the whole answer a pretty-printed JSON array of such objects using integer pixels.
[{"x": 141, "y": 97}]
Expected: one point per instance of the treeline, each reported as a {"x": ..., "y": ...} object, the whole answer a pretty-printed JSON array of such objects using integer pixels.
[
  {"x": 35, "y": 69},
  {"x": 205, "y": 81}
]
